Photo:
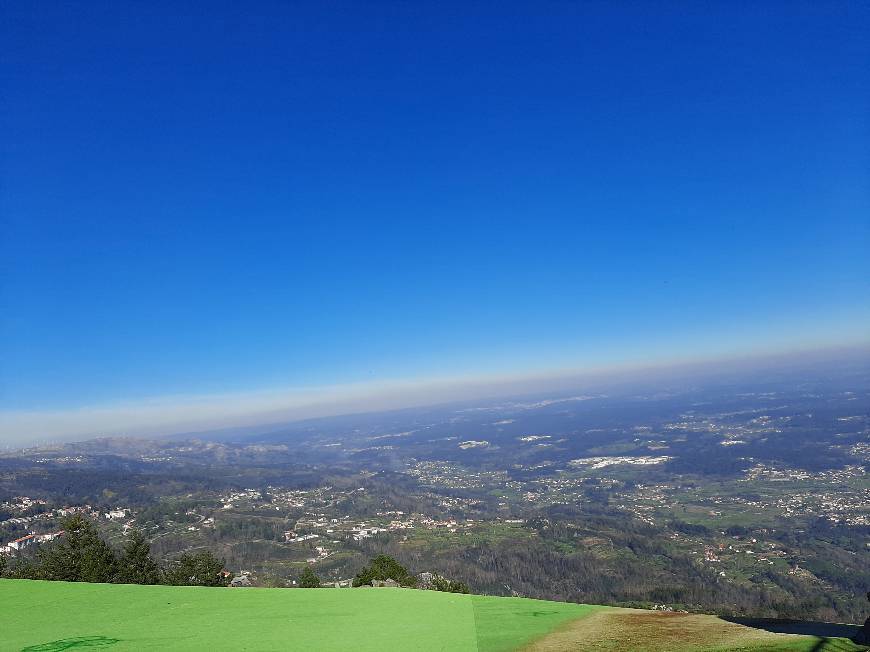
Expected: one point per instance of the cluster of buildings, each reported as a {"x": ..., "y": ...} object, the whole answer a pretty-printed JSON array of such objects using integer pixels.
[
  {"x": 28, "y": 540},
  {"x": 291, "y": 537},
  {"x": 440, "y": 473},
  {"x": 388, "y": 521},
  {"x": 600, "y": 462},
  {"x": 35, "y": 514},
  {"x": 812, "y": 494}
]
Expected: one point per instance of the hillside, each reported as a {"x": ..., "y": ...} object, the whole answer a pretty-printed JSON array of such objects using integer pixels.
[
  {"x": 708, "y": 498},
  {"x": 54, "y": 616}
]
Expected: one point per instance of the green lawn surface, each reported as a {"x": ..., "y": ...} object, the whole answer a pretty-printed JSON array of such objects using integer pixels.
[
  {"x": 53, "y": 616},
  {"x": 56, "y": 616},
  {"x": 507, "y": 623}
]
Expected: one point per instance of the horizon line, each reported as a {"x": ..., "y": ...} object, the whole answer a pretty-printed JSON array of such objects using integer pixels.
[{"x": 161, "y": 416}]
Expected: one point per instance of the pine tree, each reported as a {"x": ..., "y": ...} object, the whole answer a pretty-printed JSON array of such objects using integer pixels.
[
  {"x": 136, "y": 565},
  {"x": 309, "y": 579},
  {"x": 80, "y": 555}
]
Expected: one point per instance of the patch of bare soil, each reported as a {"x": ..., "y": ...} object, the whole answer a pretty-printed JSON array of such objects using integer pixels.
[{"x": 636, "y": 630}]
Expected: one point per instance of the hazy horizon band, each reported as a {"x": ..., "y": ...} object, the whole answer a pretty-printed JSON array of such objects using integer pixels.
[{"x": 159, "y": 416}]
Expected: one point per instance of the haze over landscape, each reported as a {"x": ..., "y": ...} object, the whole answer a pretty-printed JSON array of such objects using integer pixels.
[
  {"x": 554, "y": 320},
  {"x": 175, "y": 414}
]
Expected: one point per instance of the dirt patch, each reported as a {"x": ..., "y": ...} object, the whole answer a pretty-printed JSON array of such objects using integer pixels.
[{"x": 652, "y": 631}]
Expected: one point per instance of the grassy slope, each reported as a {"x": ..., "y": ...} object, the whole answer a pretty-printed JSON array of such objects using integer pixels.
[
  {"x": 507, "y": 623},
  {"x": 166, "y": 618},
  {"x": 54, "y": 616}
]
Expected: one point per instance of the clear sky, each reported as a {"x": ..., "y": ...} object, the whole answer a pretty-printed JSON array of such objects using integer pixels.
[{"x": 218, "y": 198}]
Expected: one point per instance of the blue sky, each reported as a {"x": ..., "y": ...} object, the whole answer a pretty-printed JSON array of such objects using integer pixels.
[{"x": 215, "y": 200}]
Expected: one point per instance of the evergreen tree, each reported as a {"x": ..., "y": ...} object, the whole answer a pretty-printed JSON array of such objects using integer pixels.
[
  {"x": 80, "y": 555},
  {"x": 200, "y": 569},
  {"x": 136, "y": 565},
  {"x": 309, "y": 579},
  {"x": 2, "y": 564},
  {"x": 382, "y": 568}
]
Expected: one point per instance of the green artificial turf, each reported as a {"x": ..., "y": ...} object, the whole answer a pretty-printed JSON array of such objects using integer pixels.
[{"x": 54, "y": 616}]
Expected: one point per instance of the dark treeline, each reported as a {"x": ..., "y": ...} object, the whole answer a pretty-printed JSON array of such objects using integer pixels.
[
  {"x": 107, "y": 487},
  {"x": 82, "y": 555},
  {"x": 532, "y": 569},
  {"x": 640, "y": 568},
  {"x": 117, "y": 479}
]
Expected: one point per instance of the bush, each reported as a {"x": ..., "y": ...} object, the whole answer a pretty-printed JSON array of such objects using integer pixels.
[
  {"x": 440, "y": 583},
  {"x": 200, "y": 569}
]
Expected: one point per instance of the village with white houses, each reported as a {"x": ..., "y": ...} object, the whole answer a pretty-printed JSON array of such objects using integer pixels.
[{"x": 35, "y": 518}]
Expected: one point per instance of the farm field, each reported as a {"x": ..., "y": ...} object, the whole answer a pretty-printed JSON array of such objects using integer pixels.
[{"x": 54, "y": 616}]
